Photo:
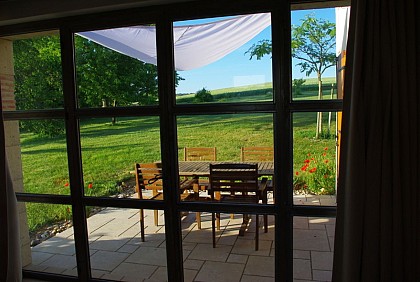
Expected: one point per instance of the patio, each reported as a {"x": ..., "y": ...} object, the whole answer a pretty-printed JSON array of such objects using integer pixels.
[{"x": 117, "y": 252}]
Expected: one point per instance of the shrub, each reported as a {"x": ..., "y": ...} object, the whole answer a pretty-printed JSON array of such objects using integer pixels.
[
  {"x": 297, "y": 86},
  {"x": 317, "y": 174},
  {"x": 203, "y": 95}
]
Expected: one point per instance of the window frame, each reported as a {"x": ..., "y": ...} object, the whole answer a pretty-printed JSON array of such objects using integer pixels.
[{"x": 282, "y": 108}]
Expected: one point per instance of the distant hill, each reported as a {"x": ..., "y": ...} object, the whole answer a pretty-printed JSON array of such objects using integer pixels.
[{"x": 260, "y": 92}]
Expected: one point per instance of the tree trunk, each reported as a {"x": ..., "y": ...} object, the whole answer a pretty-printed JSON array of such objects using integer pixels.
[
  {"x": 330, "y": 114},
  {"x": 319, "y": 114},
  {"x": 114, "y": 119}
]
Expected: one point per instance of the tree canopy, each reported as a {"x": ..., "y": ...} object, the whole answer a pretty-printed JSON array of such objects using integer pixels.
[
  {"x": 103, "y": 78},
  {"x": 313, "y": 43}
]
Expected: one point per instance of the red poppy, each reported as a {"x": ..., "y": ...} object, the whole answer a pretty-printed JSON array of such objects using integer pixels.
[
  {"x": 307, "y": 161},
  {"x": 326, "y": 161},
  {"x": 309, "y": 154},
  {"x": 312, "y": 170},
  {"x": 90, "y": 185},
  {"x": 326, "y": 148},
  {"x": 303, "y": 168},
  {"x": 297, "y": 172},
  {"x": 324, "y": 154},
  {"x": 67, "y": 184}
]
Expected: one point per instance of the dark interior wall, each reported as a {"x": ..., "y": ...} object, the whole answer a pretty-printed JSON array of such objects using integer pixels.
[{"x": 21, "y": 11}]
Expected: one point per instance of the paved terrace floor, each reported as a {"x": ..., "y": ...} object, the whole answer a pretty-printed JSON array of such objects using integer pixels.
[{"x": 117, "y": 252}]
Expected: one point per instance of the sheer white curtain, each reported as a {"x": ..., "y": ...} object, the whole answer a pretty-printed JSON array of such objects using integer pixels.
[
  {"x": 378, "y": 229},
  {"x": 11, "y": 268}
]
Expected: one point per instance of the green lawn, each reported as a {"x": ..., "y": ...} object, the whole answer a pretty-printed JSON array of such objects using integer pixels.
[{"x": 110, "y": 151}]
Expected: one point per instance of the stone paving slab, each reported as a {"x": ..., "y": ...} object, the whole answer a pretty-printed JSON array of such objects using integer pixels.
[
  {"x": 221, "y": 272},
  {"x": 117, "y": 252},
  {"x": 260, "y": 266},
  {"x": 312, "y": 240},
  {"x": 207, "y": 252}
]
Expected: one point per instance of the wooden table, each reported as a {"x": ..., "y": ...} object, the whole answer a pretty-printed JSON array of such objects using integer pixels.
[{"x": 202, "y": 168}]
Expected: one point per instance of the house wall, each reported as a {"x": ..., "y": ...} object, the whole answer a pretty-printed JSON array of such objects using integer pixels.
[{"x": 11, "y": 129}]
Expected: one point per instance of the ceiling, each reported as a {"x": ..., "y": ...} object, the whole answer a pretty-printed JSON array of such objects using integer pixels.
[{"x": 22, "y": 11}]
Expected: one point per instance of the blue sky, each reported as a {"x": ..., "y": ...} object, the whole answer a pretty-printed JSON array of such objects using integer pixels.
[{"x": 236, "y": 69}]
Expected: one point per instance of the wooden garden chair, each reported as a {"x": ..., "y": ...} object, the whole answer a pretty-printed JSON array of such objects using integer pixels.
[
  {"x": 257, "y": 154},
  {"x": 200, "y": 154},
  {"x": 149, "y": 177},
  {"x": 236, "y": 182}
]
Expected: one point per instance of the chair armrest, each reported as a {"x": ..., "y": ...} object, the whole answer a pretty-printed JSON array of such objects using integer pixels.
[
  {"x": 187, "y": 184},
  {"x": 262, "y": 186}
]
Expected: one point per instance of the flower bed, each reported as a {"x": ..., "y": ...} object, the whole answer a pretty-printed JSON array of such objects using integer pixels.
[{"x": 317, "y": 174}]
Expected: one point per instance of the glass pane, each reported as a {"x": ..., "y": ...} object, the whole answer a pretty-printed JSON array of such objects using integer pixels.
[
  {"x": 116, "y": 67},
  {"x": 43, "y": 156},
  {"x": 49, "y": 247},
  {"x": 314, "y": 159},
  {"x": 37, "y": 73},
  {"x": 236, "y": 138},
  {"x": 313, "y": 59},
  {"x": 117, "y": 249},
  {"x": 313, "y": 248},
  {"x": 218, "y": 59},
  {"x": 111, "y": 147},
  {"x": 234, "y": 258}
]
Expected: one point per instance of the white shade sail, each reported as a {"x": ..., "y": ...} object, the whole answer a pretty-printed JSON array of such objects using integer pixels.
[
  {"x": 195, "y": 45},
  {"x": 342, "y": 17}
]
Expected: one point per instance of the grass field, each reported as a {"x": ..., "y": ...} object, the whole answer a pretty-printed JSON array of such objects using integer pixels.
[{"x": 110, "y": 151}]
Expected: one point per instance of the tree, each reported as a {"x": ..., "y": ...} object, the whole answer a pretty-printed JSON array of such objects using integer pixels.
[
  {"x": 313, "y": 45},
  {"x": 103, "y": 77},
  {"x": 38, "y": 81},
  {"x": 203, "y": 95}
]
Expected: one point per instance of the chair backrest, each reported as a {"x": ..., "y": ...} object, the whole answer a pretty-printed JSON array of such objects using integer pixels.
[
  {"x": 148, "y": 177},
  {"x": 257, "y": 154},
  {"x": 199, "y": 154},
  {"x": 233, "y": 177}
]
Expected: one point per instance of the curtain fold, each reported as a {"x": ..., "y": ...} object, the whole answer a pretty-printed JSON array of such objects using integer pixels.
[
  {"x": 378, "y": 214},
  {"x": 11, "y": 265},
  {"x": 195, "y": 46}
]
